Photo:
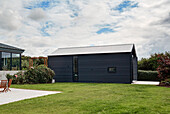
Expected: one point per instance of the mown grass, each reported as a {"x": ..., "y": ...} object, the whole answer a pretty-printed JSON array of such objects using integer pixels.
[{"x": 92, "y": 98}]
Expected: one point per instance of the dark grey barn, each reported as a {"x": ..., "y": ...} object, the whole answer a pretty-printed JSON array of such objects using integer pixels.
[{"x": 110, "y": 63}]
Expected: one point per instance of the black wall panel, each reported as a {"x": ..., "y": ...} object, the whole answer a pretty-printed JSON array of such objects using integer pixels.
[
  {"x": 62, "y": 67},
  {"x": 93, "y": 68}
]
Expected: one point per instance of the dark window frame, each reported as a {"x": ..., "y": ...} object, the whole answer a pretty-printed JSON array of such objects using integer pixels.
[{"x": 20, "y": 68}]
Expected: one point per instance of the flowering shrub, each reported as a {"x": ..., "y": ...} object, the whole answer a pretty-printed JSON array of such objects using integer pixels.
[
  {"x": 164, "y": 67},
  {"x": 40, "y": 74},
  {"x": 151, "y": 62},
  {"x": 18, "y": 78}
]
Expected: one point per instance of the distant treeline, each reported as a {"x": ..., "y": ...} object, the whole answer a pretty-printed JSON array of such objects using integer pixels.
[{"x": 151, "y": 63}]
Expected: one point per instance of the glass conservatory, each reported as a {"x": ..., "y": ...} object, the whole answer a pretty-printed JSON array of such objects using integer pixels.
[{"x": 10, "y": 57}]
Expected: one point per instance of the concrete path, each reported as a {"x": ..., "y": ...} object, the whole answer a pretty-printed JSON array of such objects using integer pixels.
[
  {"x": 146, "y": 82},
  {"x": 21, "y": 94}
]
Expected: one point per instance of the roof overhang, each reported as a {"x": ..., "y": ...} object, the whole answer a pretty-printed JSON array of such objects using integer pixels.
[
  {"x": 8, "y": 48},
  {"x": 106, "y": 49}
]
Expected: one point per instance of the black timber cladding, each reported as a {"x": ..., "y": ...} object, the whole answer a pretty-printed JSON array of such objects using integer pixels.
[
  {"x": 62, "y": 67},
  {"x": 94, "y": 67}
]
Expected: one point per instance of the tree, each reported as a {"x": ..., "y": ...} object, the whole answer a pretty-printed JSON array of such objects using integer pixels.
[
  {"x": 25, "y": 62},
  {"x": 164, "y": 67},
  {"x": 151, "y": 62}
]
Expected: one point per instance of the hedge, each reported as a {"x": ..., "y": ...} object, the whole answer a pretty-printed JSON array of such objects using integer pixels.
[{"x": 146, "y": 75}]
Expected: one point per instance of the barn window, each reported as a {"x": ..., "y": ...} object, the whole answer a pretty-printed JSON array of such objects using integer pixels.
[
  {"x": 75, "y": 65},
  {"x": 111, "y": 69}
]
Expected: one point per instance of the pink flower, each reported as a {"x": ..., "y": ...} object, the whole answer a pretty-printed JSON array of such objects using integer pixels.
[{"x": 16, "y": 76}]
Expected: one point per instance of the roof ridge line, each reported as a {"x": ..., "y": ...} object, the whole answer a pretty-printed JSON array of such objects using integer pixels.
[{"x": 95, "y": 46}]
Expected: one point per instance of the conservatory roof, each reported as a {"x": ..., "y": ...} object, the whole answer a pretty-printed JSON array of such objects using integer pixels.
[{"x": 8, "y": 48}]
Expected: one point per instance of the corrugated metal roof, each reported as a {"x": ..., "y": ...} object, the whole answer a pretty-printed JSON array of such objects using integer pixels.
[
  {"x": 9, "y": 47},
  {"x": 121, "y": 48}
]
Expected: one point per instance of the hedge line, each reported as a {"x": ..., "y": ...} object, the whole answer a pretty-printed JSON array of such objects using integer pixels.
[{"x": 145, "y": 75}]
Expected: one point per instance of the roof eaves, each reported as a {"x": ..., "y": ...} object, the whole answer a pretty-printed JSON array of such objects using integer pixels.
[{"x": 10, "y": 47}]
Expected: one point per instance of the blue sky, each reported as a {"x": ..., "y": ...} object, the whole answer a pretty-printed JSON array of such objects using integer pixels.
[
  {"x": 123, "y": 6},
  {"x": 45, "y": 25},
  {"x": 43, "y": 29},
  {"x": 45, "y": 5},
  {"x": 104, "y": 30},
  {"x": 126, "y": 4}
]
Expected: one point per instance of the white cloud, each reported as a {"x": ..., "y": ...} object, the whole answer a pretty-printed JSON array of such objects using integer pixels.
[
  {"x": 37, "y": 14},
  {"x": 9, "y": 17},
  {"x": 75, "y": 23}
]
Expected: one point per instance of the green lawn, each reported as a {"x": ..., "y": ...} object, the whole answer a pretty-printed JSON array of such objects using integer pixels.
[{"x": 92, "y": 98}]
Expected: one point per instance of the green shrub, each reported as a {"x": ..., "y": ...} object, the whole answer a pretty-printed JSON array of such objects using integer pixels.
[
  {"x": 40, "y": 74},
  {"x": 31, "y": 76},
  {"x": 18, "y": 78},
  {"x": 144, "y": 75},
  {"x": 8, "y": 76}
]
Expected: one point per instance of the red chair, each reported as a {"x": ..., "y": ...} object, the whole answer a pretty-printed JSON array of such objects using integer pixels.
[
  {"x": 9, "y": 84},
  {"x": 3, "y": 85}
]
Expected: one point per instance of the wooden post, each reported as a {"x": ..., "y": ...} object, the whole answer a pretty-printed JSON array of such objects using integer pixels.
[
  {"x": 30, "y": 62},
  {"x": 44, "y": 61}
]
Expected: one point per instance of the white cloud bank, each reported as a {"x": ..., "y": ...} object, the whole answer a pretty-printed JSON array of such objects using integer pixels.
[
  {"x": 9, "y": 19},
  {"x": 75, "y": 23}
]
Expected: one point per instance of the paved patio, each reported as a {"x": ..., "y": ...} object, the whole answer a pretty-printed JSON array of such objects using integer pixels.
[
  {"x": 146, "y": 82},
  {"x": 21, "y": 94}
]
